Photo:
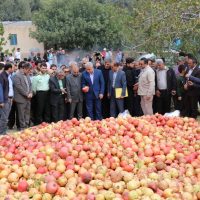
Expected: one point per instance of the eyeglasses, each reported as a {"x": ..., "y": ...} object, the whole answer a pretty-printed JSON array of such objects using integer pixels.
[{"x": 66, "y": 72}]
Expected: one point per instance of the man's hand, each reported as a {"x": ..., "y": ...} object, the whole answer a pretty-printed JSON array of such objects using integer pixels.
[
  {"x": 30, "y": 95},
  {"x": 108, "y": 95},
  {"x": 122, "y": 97},
  {"x": 147, "y": 98},
  {"x": 179, "y": 98},
  {"x": 100, "y": 96},
  {"x": 63, "y": 91},
  {"x": 186, "y": 86},
  {"x": 190, "y": 83},
  {"x": 173, "y": 92},
  {"x": 135, "y": 87},
  {"x": 157, "y": 93},
  {"x": 1, "y": 105},
  {"x": 85, "y": 89},
  {"x": 70, "y": 100},
  {"x": 187, "y": 76}
]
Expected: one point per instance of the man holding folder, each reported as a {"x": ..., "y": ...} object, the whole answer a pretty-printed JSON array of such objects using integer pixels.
[{"x": 117, "y": 90}]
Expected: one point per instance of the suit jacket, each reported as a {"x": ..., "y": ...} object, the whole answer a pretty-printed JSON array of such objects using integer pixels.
[
  {"x": 171, "y": 80},
  {"x": 129, "y": 77},
  {"x": 192, "y": 90},
  {"x": 120, "y": 82},
  {"x": 98, "y": 85},
  {"x": 105, "y": 73},
  {"x": 5, "y": 85},
  {"x": 21, "y": 90},
  {"x": 146, "y": 82},
  {"x": 55, "y": 91},
  {"x": 74, "y": 90}
]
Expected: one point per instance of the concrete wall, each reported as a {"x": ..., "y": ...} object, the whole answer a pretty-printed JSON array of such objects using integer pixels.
[{"x": 24, "y": 41}]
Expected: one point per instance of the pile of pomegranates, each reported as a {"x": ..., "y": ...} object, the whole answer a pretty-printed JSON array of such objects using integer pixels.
[{"x": 146, "y": 158}]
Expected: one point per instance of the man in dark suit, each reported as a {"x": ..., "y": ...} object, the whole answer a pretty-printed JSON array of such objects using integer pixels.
[
  {"x": 93, "y": 85},
  {"x": 192, "y": 92},
  {"x": 166, "y": 86},
  {"x": 128, "y": 69},
  {"x": 6, "y": 84},
  {"x": 23, "y": 94},
  {"x": 117, "y": 79},
  {"x": 106, "y": 101},
  {"x": 57, "y": 85},
  {"x": 74, "y": 92}
]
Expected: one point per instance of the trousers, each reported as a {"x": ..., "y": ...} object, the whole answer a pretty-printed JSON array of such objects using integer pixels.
[
  {"x": 43, "y": 108},
  {"x": 79, "y": 107},
  {"x": 146, "y": 105},
  {"x": 4, "y": 114},
  {"x": 24, "y": 114}
]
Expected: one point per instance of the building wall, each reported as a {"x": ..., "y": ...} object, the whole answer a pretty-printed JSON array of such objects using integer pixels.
[{"x": 24, "y": 41}]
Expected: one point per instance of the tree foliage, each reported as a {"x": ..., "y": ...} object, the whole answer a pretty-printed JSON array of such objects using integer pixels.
[
  {"x": 2, "y": 40},
  {"x": 79, "y": 24},
  {"x": 156, "y": 24},
  {"x": 15, "y": 10}
]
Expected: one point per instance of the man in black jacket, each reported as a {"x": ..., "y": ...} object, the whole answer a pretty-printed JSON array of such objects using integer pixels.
[
  {"x": 165, "y": 87},
  {"x": 106, "y": 101},
  {"x": 57, "y": 85},
  {"x": 7, "y": 86},
  {"x": 192, "y": 92},
  {"x": 130, "y": 84}
]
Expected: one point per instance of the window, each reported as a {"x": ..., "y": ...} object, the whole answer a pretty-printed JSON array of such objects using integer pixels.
[{"x": 13, "y": 39}]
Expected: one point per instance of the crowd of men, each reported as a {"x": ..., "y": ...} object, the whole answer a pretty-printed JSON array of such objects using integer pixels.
[{"x": 99, "y": 88}]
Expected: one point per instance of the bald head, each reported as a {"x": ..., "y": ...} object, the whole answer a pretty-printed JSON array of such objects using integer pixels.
[{"x": 75, "y": 70}]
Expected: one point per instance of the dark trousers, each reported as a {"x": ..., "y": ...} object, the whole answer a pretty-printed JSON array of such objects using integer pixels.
[
  {"x": 13, "y": 116},
  {"x": 191, "y": 106},
  {"x": 58, "y": 110},
  {"x": 116, "y": 105},
  {"x": 163, "y": 103},
  {"x": 105, "y": 107},
  {"x": 76, "y": 106},
  {"x": 129, "y": 101},
  {"x": 67, "y": 111},
  {"x": 33, "y": 111},
  {"x": 84, "y": 109},
  {"x": 4, "y": 114},
  {"x": 43, "y": 107},
  {"x": 137, "y": 110},
  {"x": 93, "y": 106}
]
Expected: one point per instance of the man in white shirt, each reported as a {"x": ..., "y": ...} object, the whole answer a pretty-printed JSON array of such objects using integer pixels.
[
  {"x": 18, "y": 55},
  {"x": 146, "y": 87}
]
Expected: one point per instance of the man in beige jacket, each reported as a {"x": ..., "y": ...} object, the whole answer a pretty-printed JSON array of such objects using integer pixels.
[{"x": 146, "y": 87}]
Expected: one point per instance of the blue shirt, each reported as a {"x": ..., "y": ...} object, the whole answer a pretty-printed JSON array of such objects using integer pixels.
[
  {"x": 92, "y": 77},
  {"x": 11, "y": 91}
]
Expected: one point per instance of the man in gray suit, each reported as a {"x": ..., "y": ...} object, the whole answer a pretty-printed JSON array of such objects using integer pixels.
[
  {"x": 74, "y": 92},
  {"x": 117, "y": 79},
  {"x": 23, "y": 94}
]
